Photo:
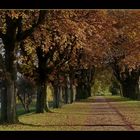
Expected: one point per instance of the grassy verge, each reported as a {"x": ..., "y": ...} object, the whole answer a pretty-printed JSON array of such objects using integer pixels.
[{"x": 116, "y": 98}]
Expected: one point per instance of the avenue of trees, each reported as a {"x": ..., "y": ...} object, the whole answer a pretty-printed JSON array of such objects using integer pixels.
[{"x": 65, "y": 48}]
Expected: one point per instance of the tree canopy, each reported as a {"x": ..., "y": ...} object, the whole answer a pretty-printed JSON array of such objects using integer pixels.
[{"x": 67, "y": 46}]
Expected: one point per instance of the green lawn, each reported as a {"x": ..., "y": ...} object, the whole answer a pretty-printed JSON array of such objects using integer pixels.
[
  {"x": 117, "y": 98},
  {"x": 59, "y": 119}
]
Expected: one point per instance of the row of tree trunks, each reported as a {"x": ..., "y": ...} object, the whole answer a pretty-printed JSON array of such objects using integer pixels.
[
  {"x": 63, "y": 94},
  {"x": 84, "y": 83},
  {"x": 83, "y": 91},
  {"x": 130, "y": 90},
  {"x": 129, "y": 81}
]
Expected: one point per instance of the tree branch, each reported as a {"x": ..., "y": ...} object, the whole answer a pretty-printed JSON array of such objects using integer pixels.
[{"x": 24, "y": 34}]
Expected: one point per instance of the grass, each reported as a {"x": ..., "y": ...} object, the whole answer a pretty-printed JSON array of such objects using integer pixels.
[
  {"x": 60, "y": 119},
  {"x": 90, "y": 99},
  {"x": 117, "y": 98},
  {"x": 21, "y": 111}
]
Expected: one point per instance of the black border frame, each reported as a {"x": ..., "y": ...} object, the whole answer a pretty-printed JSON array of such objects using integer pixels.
[
  {"x": 64, "y": 135},
  {"x": 69, "y": 4}
]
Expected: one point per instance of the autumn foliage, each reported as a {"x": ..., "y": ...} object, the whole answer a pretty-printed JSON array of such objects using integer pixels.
[{"x": 64, "y": 48}]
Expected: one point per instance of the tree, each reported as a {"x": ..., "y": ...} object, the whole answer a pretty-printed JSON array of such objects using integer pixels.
[
  {"x": 124, "y": 59},
  {"x": 49, "y": 58},
  {"x": 14, "y": 29},
  {"x": 65, "y": 51},
  {"x": 26, "y": 90}
]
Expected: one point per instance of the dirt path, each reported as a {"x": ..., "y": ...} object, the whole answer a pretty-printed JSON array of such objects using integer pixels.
[{"x": 109, "y": 115}]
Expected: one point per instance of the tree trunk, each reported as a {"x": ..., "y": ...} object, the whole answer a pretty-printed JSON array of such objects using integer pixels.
[
  {"x": 89, "y": 90},
  {"x": 3, "y": 104},
  {"x": 71, "y": 94},
  {"x": 61, "y": 96},
  {"x": 55, "y": 97},
  {"x": 26, "y": 106},
  {"x": 10, "y": 72},
  {"x": 68, "y": 95},
  {"x": 130, "y": 90},
  {"x": 74, "y": 93},
  {"x": 58, "y": 97},
  {"x": 125, "y": 89},
  {"x": 10, "y": 80},
  {"x": 11, "y": 102},
  {"x": 46, "y": 102},
  {"x": 67, "y": 90},
  {"x": 22, "y": 101},
  {"x": 134, "y": 94},
  {"x": 85, "y": 91},
  {"x": 79, "y": 92},
  {"x": 42, "y": 102},
  {"x": 120, "y": 90}
]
